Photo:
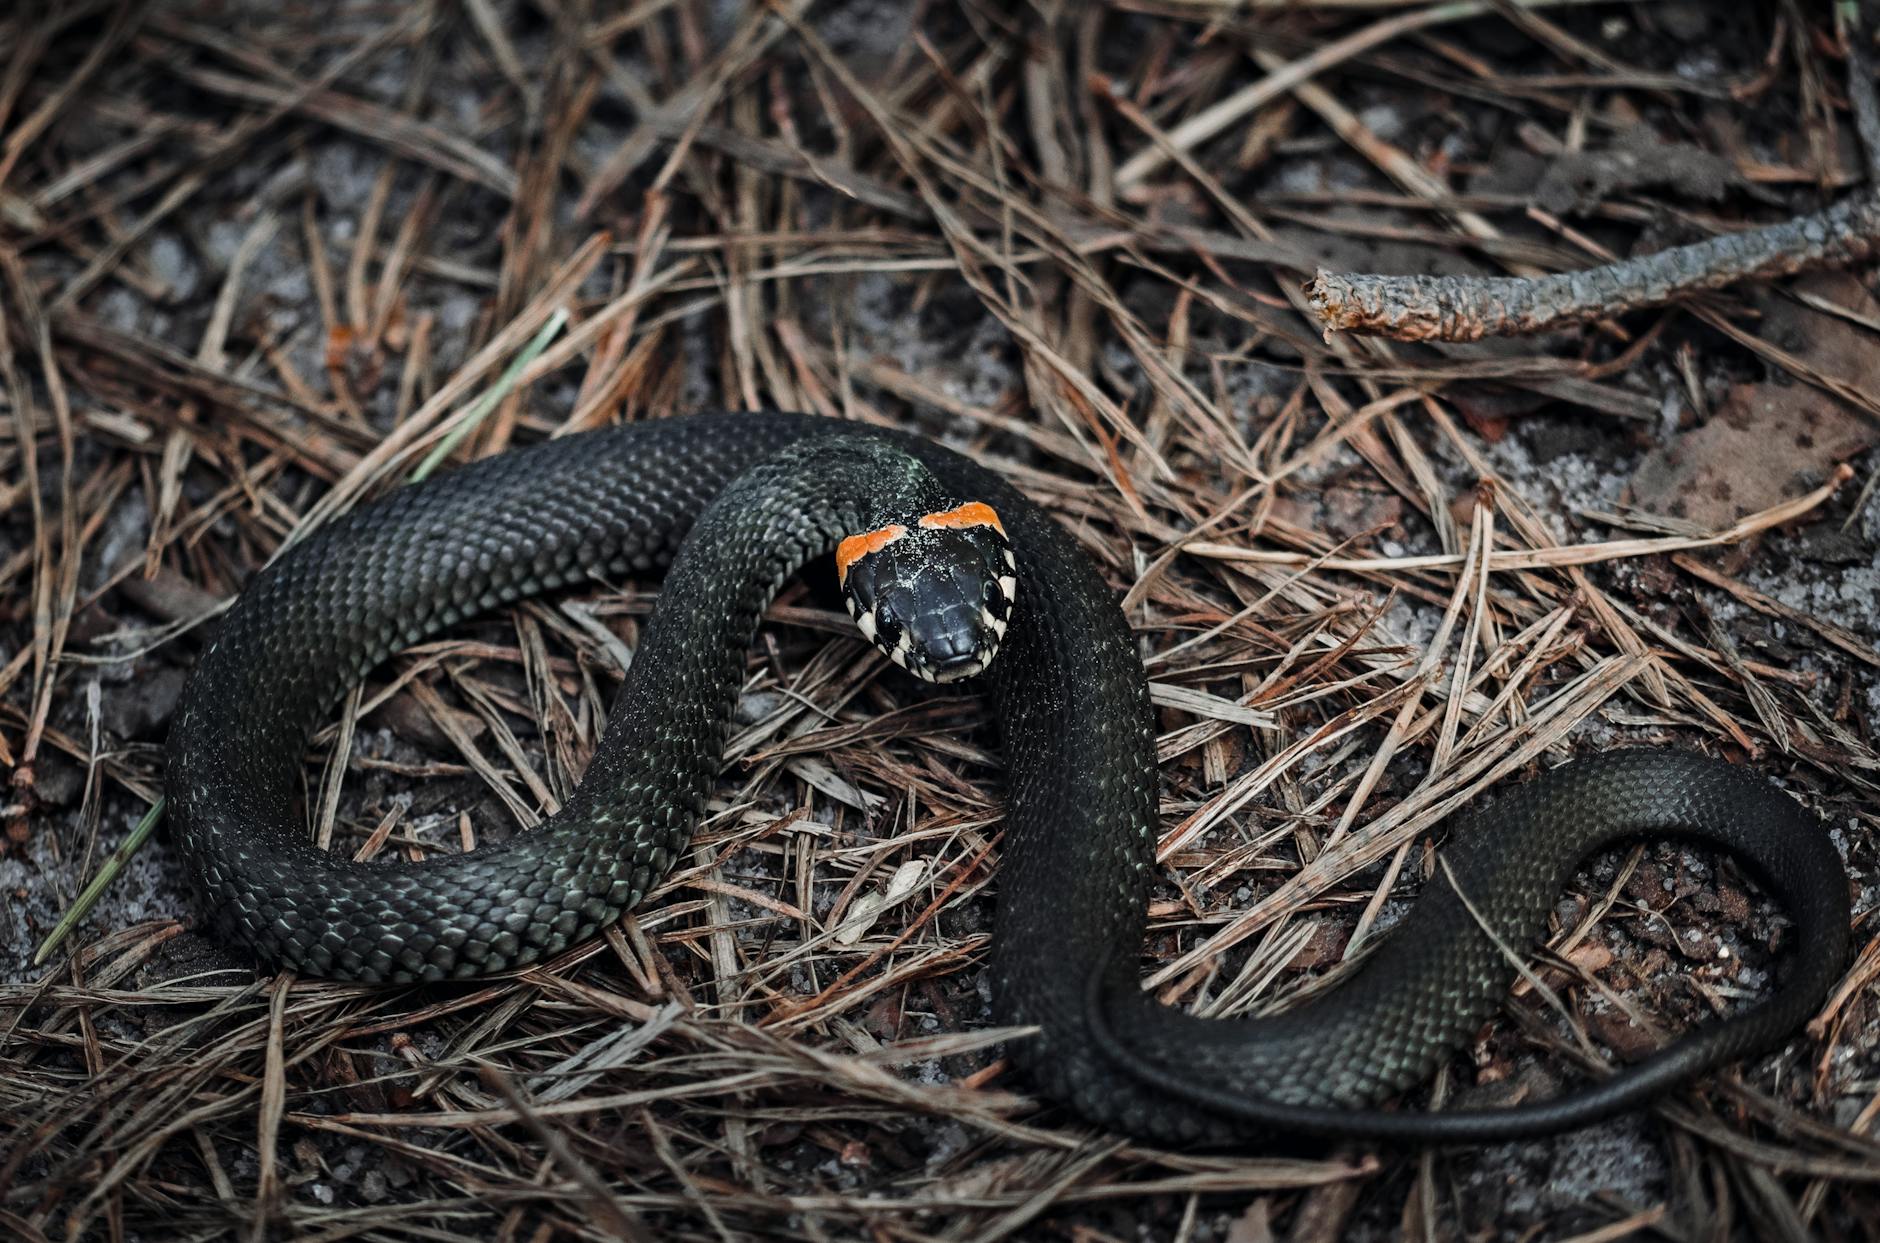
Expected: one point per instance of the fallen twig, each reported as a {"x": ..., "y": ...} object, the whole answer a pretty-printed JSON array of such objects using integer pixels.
[{"x": 1468, "y": 308}]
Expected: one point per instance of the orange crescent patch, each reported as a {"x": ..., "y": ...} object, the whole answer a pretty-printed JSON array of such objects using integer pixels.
[
  {"x": 971, "y": 514},
  {"x": 855, "y": 547}
]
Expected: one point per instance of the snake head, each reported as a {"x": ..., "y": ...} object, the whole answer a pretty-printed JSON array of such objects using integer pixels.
[{"x": 935, "y": 594}]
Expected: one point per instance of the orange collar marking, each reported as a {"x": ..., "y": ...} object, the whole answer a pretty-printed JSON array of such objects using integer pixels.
[
  {"x": 971, "y": 514},
  {"x": 855, "y": 547}
]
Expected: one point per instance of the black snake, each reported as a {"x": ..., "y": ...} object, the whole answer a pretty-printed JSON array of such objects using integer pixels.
[{"x": 743, "y": 501}]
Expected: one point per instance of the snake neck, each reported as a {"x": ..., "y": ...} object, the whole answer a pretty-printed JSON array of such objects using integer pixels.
[{"x": 664, "y": 742}]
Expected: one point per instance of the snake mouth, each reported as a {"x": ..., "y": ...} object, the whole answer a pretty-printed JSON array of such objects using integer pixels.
[{"x": 959, "y": 670}]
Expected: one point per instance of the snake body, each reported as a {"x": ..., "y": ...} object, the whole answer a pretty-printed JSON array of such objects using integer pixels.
[{"x": 750, "y": 498}]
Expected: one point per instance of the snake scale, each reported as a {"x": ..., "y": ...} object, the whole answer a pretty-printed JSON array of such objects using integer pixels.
[{"x": 736, "y": 503}]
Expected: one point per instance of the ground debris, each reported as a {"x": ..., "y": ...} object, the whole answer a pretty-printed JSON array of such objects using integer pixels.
[{"x": 257, "y": 262}]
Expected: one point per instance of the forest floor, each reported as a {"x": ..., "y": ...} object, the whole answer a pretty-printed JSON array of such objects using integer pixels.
[{"x": 258, "y": 256}]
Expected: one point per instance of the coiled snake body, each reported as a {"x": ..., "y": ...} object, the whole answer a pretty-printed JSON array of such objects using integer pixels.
[{"x": 759, "y": 495}]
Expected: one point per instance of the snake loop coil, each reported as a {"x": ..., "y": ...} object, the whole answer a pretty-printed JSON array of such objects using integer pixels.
[{"x": 952, "y": 563}]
